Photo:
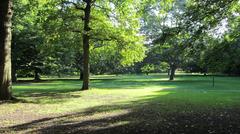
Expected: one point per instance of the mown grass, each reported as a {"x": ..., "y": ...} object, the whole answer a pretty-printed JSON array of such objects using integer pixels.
[{"x": 120, "y": 102}]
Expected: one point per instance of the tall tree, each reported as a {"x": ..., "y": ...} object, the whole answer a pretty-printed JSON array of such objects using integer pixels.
[
  {"x": 86, "y": 45},
  {"x": 5, "y": 49},
  {"x": 163, "y": 27},
  {"x": 101, "y": 23}
]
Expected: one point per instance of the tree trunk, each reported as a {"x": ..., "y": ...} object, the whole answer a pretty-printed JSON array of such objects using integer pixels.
[
  {"x": 86, "y": 39},
  {"x": 5, "y": 49},
  {"x": 172, "y": 72},
  {"x": 14, "y": 74},
  {"x": 81, "y": 75},
  {"x": 205, "y": 71},
  {"x": 59, "y": 74},
  {"x": 36, "y": 74}
]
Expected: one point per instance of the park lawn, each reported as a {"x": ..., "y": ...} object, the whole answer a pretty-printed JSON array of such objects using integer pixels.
[{"x": 125, "y": 104}]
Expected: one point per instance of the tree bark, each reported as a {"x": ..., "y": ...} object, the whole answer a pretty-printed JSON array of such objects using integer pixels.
[
  {"x": 86, "y": 40},
  {"x": 14, "y": 74},
  {"x": 81, "y": 75},
  {"x": 59, "y": 74},
  {"x": 36, "y": 74},
  {"x": 5, "y": 49},
  {"x": 172, "y": 72}
]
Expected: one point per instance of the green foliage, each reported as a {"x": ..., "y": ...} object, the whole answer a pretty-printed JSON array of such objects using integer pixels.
[
  {"x": 114, "y": 27},
  {"x": 148, "y": 68},
  {"x": 164, "y": 66},
  {"x": 48, "y": 35},
  {"x": 28, "y": 38},
  {"x": 223, "y": 58},
  {"x": 185, "y": 30}
]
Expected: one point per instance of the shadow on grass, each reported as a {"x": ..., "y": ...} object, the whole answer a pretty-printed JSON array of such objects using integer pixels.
[
  {"x": 53, "y": 93},
  {"x": 60, "y": 79},
  {"x": 57, "y": 90},
  {"x": 158, "y": 113}
]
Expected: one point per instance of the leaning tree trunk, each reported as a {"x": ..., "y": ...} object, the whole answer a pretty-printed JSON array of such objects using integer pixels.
[
  {"x": 86, "y": 40},
  {"x": 5, "y": 49},
  {"x": 172, "y": 72}
]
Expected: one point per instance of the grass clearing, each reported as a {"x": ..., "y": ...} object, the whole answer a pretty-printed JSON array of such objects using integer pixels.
[{"x": 125, "y": 104}]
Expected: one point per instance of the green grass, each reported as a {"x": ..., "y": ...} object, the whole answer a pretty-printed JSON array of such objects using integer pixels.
[{"x": 126, "y": 99}]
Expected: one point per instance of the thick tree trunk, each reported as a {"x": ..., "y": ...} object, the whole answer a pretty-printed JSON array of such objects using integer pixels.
[
  {"x": 5, "y": 49},
  {"x": 86, "y": 40},
  {"x": 172, "y": 72}
]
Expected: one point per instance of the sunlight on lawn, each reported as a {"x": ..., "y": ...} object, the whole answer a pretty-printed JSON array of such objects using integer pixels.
[{"x": 115, "y": 101}]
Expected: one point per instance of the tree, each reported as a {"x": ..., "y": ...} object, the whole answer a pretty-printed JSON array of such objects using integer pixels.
[
  {"x": 28, "y": 40},
  {"x": 102, "y": 23},
  {"x": 5, "y": 49},
  {"x": 211, "y": 23},
  {"x": 148, "y": 68},
  {"x": 222, "y": 57},
  {"x": 180, "y": 28},
  {"x": 86, "y": 44},
  {"x": 163, "y": 26},
  {"x": 172, "y": 54}
]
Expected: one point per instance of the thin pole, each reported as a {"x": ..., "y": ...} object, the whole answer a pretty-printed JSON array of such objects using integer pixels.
[{"x": 213, "y": 81}]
